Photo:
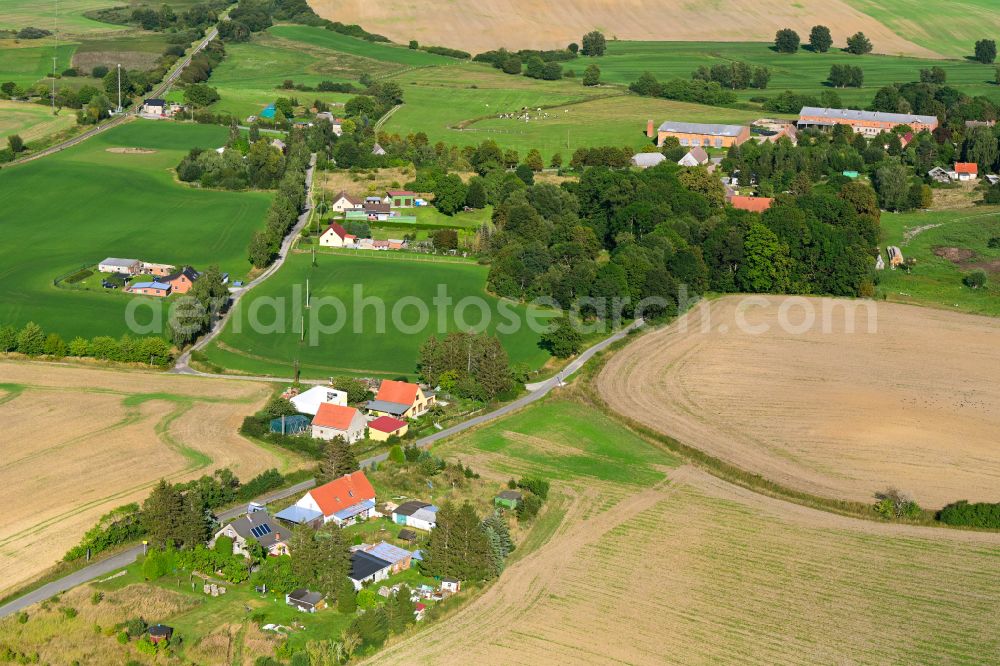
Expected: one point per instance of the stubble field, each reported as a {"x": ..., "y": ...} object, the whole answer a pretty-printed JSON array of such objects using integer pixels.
[
  {"x": 842, "y": 415},
  {"x": 78, "y": 442},
  {"x": 489, "y": 24},
  {"x": 694, "y": 570}
]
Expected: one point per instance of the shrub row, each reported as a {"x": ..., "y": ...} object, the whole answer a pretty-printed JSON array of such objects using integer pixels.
[{"x": 31, "y": 340}]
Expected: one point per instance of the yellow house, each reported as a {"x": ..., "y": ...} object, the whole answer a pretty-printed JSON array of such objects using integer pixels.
[
  {"x": 401, "y": 400},
  {"x": 384, "y": 427}
]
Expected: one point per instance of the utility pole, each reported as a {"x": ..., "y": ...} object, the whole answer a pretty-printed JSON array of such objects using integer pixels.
[
  {"x": 53, "y": 85},
  {"x": 119, "y": 109}
]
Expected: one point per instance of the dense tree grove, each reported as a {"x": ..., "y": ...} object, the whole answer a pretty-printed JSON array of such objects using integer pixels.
[
  {"x": 31, "y": 340},
  {"x": 858, "y": 44},
  {"x": 846, "y": 76},
  {"x": 467, "y": 364},
  {"x": 736, "y": 75},
  {"x": 459, "y": 546},
  {"x": 986, "y": 51},
  {"x": 978, "y": 514}
]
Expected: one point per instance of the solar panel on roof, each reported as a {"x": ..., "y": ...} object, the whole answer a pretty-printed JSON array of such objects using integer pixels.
[{"x": 261, "y": 530}]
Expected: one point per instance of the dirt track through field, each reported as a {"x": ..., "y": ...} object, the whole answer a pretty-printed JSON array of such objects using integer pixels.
[
  {"x": 78, "y": 442},
  {"x": 694, "y": 570},
  {"x": 915, "y": 405},
  {"x": 482, "y": 25}
]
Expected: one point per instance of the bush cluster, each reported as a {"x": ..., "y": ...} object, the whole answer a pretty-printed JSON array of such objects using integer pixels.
[{"x": 31, "y": 340}]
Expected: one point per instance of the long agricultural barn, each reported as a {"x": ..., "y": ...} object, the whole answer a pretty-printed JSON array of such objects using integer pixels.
[
  {"x": 869, "y": 123},
  {"x": 703, "y": 134}
]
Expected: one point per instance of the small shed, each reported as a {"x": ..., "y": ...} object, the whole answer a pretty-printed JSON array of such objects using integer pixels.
[
  {"x": 450, "y": 585},
  {"x": 160, "y": 633},
  {"x": 299, "y": 515},
  {"x": 508, "y": 498},
  {"x": 290, "y": 425},
  {"x": 305, "y": 600}
]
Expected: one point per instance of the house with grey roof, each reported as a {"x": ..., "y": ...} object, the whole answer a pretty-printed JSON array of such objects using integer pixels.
[
  {"x": 694, "y": 157},
  {"x": 869, "y": 123},
  {"x": 647, "y": 160},
  {"x": 305, "y": 600},
  {"x": 421, "y": 515},
  {"x": 703, "y": 134},
  {"x": 399, "y": 558},
  {"x": 256, "y": 526}
]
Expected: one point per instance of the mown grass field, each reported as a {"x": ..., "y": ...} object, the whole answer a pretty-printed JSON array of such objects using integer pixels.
[
  {"x": 949, "y": 30},
  {"x": 360, "y": 346},
  {"x": 802, "y": 72},
  {"x": 696, "y": 571},
  {"x": 249, "y": 77},
  {"x": 86, "y": 203},
  {"x": 936, "y": 280},
  {"x": 68, "y": 15},
  {"x": 24, "y": 64},
  {"x": 31, "y": 121}
]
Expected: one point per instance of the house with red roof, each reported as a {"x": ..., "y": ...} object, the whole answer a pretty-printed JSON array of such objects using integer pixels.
[
  {"x": 336, "y": 236},
  {"x": 966, "y": 171},
  {"x": 752, "y": 204},
  {"x": 332, "y": 421},
  {"x": 383, "y": 427},
  {"x": 400, "y": 400},
  {"x": 343, "y": 501}
]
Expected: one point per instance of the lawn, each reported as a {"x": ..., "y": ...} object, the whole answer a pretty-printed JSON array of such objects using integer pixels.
[
  {"x": 360, "y": 346},
  {"x": 31, "y": 121},
  {"x": 802, "y": 72},
  {"x": 937, "y": 280},
  {"x": 112, "y": 204}
]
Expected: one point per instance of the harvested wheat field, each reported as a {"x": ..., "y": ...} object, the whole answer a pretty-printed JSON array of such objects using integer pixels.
[
  {"x": 489, "y": 24},
  {"x": 915, "y": 405},
  {"x": 78, "y": 442},
  {"x": 699, "y": 571}
]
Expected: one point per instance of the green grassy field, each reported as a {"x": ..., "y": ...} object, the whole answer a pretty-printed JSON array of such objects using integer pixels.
[
  {"x": 581, "y": 442},
  {"x": 802, "y": 72},
  {"x": 951, "y": 31},
  {"x": 359, "y": 347},
  {"x": 68, "y": 15},
  {"x": 101, "y": 204},
  {"x": 249, "y": 77},
  {"x": 24, "y": 65},
  {"x": 937, "y": 280}
]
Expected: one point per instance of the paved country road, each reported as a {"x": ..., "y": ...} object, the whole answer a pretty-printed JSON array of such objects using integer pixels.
[
  {"x": 158, "y": 91},
  {"x": 123, "y": 559},
  {"x": 182, "y": 366},
  {"x": 105, "y": 567}
]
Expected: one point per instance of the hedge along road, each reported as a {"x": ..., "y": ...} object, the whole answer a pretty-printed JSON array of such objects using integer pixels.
[
  {"x": 537, "y": 391},
  {"x": 158, "y": 91}
]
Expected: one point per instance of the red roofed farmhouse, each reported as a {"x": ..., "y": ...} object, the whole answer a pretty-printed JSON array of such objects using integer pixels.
[
  {"x": 384, "y": 427},
  {"x": 752, "y": 204},
  {"x": 343, "y": 501},
  {"x": 335, "y": 236},
  {"x": 333, "y": 421},
  {"x": 401, "y": 400}
]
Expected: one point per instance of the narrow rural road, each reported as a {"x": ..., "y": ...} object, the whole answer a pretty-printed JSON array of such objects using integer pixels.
[
  {"x": 538, "y": 391},
  {"x": 158, "y": 91},
  {"x": 182, "y": 366},
  {"x": 127, "y": 557}
]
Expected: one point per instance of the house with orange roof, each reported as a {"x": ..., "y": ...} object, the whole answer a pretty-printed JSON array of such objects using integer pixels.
[
  {"x": 336, "y": 236},
  {"x": 332, "y": 421},
  {"x": 343, "y": 501},
  {"x": 752, "y": 204},
  {"x": 966, "y": 171},
  {"x": 401, "y": 400}
]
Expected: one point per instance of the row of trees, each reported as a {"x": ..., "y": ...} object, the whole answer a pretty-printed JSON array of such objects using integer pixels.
[
  {"x": 174, "y": 515},
  {"x": 696, "y": 90},
  {"x": 736, "y": 75},
  {"x": 31, "y": 340},
  {"x": 846, "y": 76},
  {"x": 288, "y": 203},
  {"x": 257, "y": 165},
  {"x": 787, "y": 40}
]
